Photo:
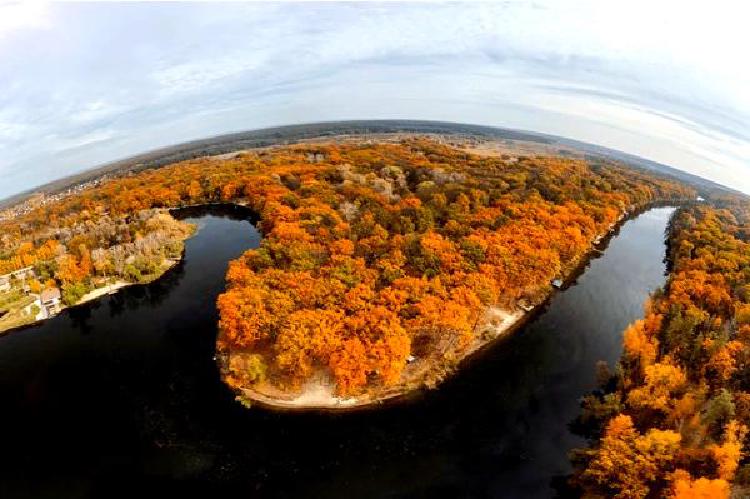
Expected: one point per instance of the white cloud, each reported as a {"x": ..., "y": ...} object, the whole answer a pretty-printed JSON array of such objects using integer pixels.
[
  {"x": 715, "y": 155},
  {"x": 16, "y": 16},
  {"x": 80, "y": 140},
  {"x": 12, "y": 131},
  {"x": 664, "y": 80},
  {"x": 96, "y": 110},
  {"x": 193, "y": 76}
]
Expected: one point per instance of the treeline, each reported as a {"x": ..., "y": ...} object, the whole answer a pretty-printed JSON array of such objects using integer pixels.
[
  {"x": 81, "y": 245},
  {"x": 673, "y": 420},
  {"x": 371, "y": 253}
]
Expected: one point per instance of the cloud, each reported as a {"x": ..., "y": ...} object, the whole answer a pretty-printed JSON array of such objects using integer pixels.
[
  {"x": 16, "y": 16},
  {"x": 87, "y": 83}
]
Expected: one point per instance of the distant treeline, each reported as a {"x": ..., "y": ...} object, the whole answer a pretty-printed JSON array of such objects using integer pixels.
[{"x": 281, "y": 135}]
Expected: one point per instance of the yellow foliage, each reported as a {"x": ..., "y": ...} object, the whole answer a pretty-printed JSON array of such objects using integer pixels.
[
  {"x": 639, "y": 345},
  {"x": 684, "y": 487},
  {"x": 728, "y": 454},
  {"x": 626, "y": 464},
  {"x": 661, "y": 380}
]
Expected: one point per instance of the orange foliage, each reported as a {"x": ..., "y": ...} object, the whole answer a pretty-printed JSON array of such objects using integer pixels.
[
  {"x": 686, "y": 367},
  {"x": 684, "y": 487},
  {"x": 398, "y": 257},
  {"x": 369, "y": 251},
  {"x": 627, "y": 464}
]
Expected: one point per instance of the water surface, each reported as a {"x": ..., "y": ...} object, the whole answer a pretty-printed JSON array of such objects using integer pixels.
[{"x": 122, "y": 395}]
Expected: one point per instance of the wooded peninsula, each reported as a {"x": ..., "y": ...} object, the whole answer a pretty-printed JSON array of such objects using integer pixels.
[
  {"x": 383, "y": 265},
  {"x": 672, "y": 420}
]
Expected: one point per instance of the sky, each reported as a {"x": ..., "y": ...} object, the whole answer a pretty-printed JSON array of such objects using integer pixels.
[{"x": 83, "y": 84}]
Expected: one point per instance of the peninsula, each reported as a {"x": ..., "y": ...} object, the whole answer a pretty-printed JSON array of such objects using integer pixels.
[{"x": 383, "y": 264}]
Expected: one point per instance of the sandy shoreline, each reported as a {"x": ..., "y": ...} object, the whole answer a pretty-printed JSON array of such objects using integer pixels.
[
  {"x": 97, "y": 293},
  {"x": 116, "y": 286},
  {"x": 90, "y": 296},
  {"x": 317, "y": 395},
  {"x": 498, "y": 321}
]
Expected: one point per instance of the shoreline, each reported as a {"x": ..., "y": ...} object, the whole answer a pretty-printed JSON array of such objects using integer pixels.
[
  {"x": 115, "y": 287},
  {"x": 426, "y": 376},
  {"x": 95, "y": 294},
  {"x": 108, "y": 289},
  {"x": 317, "y": 398},
  {"x": 104, "y": 290}
]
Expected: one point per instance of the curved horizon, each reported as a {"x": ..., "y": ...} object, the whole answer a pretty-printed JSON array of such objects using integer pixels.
[
  {"x": 85, "y": 85},
  {"x": 321, "y": 131}
]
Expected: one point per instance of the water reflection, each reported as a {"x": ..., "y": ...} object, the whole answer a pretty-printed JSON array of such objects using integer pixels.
[{"x": 123, "y": 395}]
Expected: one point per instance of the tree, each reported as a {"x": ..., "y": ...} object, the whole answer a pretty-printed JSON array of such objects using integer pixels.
[
  {"x": 662, "y": 380},
  {"x": 685, "y": 487},
  {"x": 627, "y": 464},
  {"x": 728, "y": 454}
]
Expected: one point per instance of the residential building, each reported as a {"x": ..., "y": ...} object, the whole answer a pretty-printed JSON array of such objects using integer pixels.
[{"x": 50, "y": 300}]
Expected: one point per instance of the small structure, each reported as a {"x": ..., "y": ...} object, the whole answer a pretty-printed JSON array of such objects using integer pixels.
[
  {"x": 50, "y": 299},
  {"x": 24, "y": 273},
  {"x": 20, "y": 274},
  {"x": 315, "y": 157},
  {"x": 557, "y": 283}
]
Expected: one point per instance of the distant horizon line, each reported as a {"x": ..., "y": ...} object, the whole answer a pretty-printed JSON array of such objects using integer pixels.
[{"x": 40, "y": 188}]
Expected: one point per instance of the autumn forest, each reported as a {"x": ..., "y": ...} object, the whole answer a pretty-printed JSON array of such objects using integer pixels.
[
  {"x": 382, "y": 266},
  {"x": 673, "y": 418}
]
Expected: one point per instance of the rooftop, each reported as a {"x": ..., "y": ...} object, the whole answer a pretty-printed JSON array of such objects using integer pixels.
[{"x": 50, "y": 294}]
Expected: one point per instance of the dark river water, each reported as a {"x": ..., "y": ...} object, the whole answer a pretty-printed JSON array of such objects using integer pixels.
[{"x": 121, "y": 397}]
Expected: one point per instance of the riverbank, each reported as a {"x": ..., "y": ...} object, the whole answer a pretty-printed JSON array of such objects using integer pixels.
[
  {"x": 109, "y": 288},
  {"x": 134, "y": 378},
  {"x": 420, "y": 374},
  {"x": 319, "y": 394},
  {"x": 114, "y": 287},
  {"x": 106, "y": 290},
  {"x": 97, "y": 293}
]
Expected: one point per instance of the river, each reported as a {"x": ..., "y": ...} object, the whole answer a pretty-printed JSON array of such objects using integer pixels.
[{"x": 122, "y": 395}]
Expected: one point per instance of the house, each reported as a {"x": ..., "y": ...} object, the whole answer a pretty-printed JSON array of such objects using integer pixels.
[
  {"x": 20, "y": 274},
  {"x": 24, "y": 273},
  {"x": 50, "y": 299}
]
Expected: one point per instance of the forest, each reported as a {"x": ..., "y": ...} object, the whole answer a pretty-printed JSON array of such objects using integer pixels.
[
  {"x": 376, "y": 259},
  {"x": 78, "y": 246},
  {"x": 379, "y": 263},
  {"x": 672, "y": 420}
]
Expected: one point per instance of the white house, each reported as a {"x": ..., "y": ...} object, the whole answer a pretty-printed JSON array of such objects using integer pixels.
[{"x": 50, "y": 299}]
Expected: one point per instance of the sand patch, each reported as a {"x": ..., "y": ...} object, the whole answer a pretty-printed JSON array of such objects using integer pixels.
[{"x": 498, "y": 321}]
